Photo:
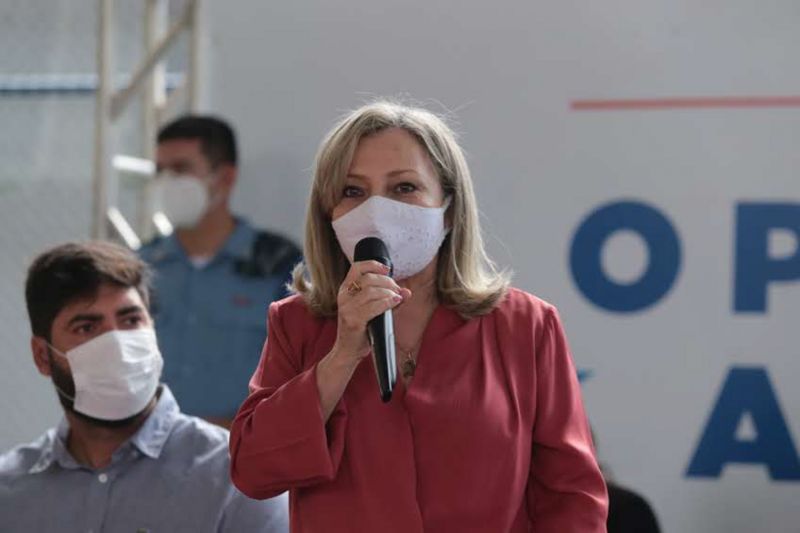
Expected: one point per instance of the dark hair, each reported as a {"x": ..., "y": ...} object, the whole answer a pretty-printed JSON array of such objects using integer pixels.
[
  {"x": 217, "y": 139},
  {"x": 72, "y": 271}
]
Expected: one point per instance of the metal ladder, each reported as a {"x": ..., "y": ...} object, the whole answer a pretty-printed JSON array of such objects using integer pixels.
[{"x": 148, "y": 79}]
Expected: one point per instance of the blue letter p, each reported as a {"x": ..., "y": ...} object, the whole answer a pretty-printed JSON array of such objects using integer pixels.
[{"x": 755, "y": 269}]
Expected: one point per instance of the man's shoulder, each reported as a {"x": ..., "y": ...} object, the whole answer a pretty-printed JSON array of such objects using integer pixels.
[
  {"x": 271, "y": 254},
  {"x": 156, "y": 249},
  {"x": 271, "y": 237},
  {"x": 19, "y": 461},
  {"x": 630, "y": 511},
  {"x": 199, "y": 433},
  {"x": 193, "y": 435}
]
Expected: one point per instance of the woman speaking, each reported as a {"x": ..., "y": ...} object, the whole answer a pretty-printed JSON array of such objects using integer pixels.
[{"x": 486, "y": 430}]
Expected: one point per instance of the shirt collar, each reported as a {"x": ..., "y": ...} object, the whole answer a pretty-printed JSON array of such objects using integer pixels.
[
  {"x": 240, "y": 242},
  {"x": 168, "y": 248},
  {"x": 153, "y": 434},
  {"x": 237, "y": 245},
  {"x": 54, "y": 450},
  {"x": 149, "y": 440}
]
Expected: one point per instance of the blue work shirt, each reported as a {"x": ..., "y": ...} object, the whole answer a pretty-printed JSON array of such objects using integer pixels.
[
  {"x": 171, "y": 476},
  {"x": 211, "y": 321}
]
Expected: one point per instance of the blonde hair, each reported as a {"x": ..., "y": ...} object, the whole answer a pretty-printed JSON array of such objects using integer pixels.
[{"x": 467, "y": 280}]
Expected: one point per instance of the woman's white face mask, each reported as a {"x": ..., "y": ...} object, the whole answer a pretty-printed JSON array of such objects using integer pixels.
[
  {"x": 413, "y": 234},
  {"x": 116, "y": 374}
]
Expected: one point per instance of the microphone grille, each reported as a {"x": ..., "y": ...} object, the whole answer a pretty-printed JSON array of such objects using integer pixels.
[{"x": 372, "y": 248}]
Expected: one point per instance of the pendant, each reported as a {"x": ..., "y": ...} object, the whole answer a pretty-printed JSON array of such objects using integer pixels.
[{"x": 409, "y": 366}]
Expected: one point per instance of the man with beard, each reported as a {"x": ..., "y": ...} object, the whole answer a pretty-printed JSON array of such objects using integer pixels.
[{"x": 123, "y": 458}]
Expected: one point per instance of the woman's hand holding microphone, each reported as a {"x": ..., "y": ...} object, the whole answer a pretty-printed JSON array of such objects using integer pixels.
[{"x": 366, "y": 292}]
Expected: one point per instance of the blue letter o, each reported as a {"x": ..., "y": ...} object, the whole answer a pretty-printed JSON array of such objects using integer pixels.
[{"x": 662, "y": 269}]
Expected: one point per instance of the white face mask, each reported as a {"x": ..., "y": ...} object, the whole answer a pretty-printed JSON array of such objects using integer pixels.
[
  {"x": 183, "y": 199},
  {"x": 412, "y": 233},
  {"x": 116, "y": 374}
]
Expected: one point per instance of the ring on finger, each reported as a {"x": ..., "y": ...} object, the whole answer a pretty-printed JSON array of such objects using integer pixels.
[{"x": 353, "y": 288}]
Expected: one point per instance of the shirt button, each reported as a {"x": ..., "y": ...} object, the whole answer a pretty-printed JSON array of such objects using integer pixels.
[{"x": 102, "y": 478}]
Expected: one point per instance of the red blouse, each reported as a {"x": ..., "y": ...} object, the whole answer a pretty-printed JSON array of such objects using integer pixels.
[{"x": 490, "y": 436}]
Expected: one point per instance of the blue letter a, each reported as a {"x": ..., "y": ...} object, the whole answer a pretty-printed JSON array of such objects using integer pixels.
[{"x": 746, "y": 390}]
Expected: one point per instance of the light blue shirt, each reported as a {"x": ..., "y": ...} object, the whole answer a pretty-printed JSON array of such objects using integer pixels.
[
  {"x": 211, "y": 320},
  {"x": 172, "y": 476}
]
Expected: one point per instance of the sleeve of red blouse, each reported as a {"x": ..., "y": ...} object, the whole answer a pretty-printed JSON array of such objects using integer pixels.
[
  {"x": 278, "y": 438},
  {"x": 566, "y": 490}
]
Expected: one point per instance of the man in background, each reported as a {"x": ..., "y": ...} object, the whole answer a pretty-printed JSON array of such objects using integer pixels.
[
  {"x": 215, "y": 275},
  {"x": 629, "y": 512},
  {"x": 124, "y": 457}
]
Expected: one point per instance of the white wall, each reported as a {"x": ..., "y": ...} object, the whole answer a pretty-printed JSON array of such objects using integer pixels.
[{"x": 508, "y": 71}]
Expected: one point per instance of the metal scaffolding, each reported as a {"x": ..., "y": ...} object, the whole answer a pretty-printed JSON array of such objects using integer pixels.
[{"x": 148, "y": 79}]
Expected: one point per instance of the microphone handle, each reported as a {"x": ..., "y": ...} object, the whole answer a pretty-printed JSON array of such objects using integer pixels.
[{"x": 381, "y": 337}]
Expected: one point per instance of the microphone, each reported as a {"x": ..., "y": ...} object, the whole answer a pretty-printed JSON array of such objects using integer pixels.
[{"x": 380, "y": 328}]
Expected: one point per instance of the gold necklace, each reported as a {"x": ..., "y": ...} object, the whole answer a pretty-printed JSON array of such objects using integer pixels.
[{"x": 408, "y": 366}]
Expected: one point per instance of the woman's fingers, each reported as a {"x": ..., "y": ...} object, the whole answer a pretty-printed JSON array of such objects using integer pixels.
[
  {"x": 379, "y": 280},
  {"x": 359, "y": 268},
  {"x": 379, "y": 306},
  {"x": 365, "y": 274},
  {"x": 368, "y": 304},
  {"x": 366, "y": 292}
]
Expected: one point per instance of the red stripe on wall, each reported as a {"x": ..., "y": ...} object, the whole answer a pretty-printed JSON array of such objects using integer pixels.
[{"x": 686, "y": 103}]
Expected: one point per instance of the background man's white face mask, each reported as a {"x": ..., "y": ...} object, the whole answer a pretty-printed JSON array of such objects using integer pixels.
[
  {"x": 183, "y": 199},
  {"x": 412, "y": 233},
  {"x": 116, "y": 374}
]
